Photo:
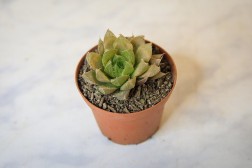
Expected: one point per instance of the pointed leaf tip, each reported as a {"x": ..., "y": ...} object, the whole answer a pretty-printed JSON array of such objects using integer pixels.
[
  {"x": 140, "y": 68},
  {"x": 159, "y": 75},
  {"x": 90, "y": 77},
  {"x": 100, "y": 76},
  {"x": 100, "y": 47},
  {"x": 122, "y": 95},
  {"x": 137, "y": 41},
  {"x": 144, "y": 52},
  {"x": 108, "y": 55},
  {"x": 106, "y": 89},
  {"x": 156, "y": 59},
  {"x": 158, "y": 56},
  {"x": 129, "y": 84},
  {"x": 142, "y": 81},
  {"x": 119, "y": 80},
  {"x": 152, "y": 71},
  {"x": 109, "y": 39},
  {"x": 94, "y": 60},
  {"x": 122, "y": 43}
]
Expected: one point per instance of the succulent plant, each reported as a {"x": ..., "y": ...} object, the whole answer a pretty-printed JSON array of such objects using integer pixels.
[{"x": 122, "y": 63}]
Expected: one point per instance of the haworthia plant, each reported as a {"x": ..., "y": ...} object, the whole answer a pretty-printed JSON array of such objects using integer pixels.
[{"x": 121, "y": 63}]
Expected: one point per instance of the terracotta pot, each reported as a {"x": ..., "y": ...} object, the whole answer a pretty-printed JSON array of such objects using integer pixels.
[{"x": 129, "y": 128}]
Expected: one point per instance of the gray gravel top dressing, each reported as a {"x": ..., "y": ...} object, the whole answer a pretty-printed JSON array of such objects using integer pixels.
[{"x": 140, "y": 98}]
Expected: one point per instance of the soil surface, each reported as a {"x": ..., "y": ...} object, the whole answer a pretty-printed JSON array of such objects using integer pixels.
[{"x": 140, "y": 98}]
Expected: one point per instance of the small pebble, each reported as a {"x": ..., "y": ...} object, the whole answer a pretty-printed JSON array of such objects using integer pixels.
[
  {"x": 111, "y": 108},
  {"x": 92, "y": 96},
  {"x": 138, "y": 92},
  {"x": 101, "y": 102},
  {"x": 148, "y": 101},
  {"x": 142, "y": 101},
  {"x": 170, "y": 85},
  {"x": 126, "y": 110},
  {"x": 104, "y": 105}
]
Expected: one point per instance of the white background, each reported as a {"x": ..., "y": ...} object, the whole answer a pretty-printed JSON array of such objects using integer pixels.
[{"x": 207, "y": 121}]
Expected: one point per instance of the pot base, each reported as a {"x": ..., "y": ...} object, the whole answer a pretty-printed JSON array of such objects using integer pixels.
[
  {"x": 132, "y": 128},
  {"x": 132, "y": 143}
]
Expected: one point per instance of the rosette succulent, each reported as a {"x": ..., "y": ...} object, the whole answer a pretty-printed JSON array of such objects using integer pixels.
[{"x": 121, "y": 63}]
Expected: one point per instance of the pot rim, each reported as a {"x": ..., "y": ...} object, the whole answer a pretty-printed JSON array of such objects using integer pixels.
[{"x": 92, "y": 106}]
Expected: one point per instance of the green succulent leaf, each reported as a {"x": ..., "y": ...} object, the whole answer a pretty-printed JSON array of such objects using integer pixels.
[
  {"x": 100, "y": 47},
  {"x": 109, "y": 69},
  {"x": 129, "y": 55},
  {"x": 118, "y": 59},
  {"x": 108, "y": 55},
  {"x": 121, "y": 43},
  {"x": 155, "y": 61},
  {"x": 157, "y": 56},
  {"x": 129, "y": 84},
  {"x": 144, "y": 52},
  {"x": 118, "y": 67},
  {"x": 119, "y": 80},
  {"x": 94, "y": 60},
  {"x": 128, "y": 68},
  {"x": 159, "y": 75},
  {"x": 90, "y": 77},
  {"x": 140, "y": 68},
  {"x": 137, "y": 41},
  {"x": 122, "y": 95},
  {"x": 109, "y": 39},
  {"x": 113, "y": 70},
  {"x": 100, "y": 76},
  {"x": 121, "y": 63},
  {"x": 106, "y": 89},
  {"x": 152, "y": 71},
  {"x": 141, "y": 81}
]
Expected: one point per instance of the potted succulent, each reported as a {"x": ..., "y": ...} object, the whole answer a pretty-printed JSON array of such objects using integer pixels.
[{"x": 126, "y": 82}]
